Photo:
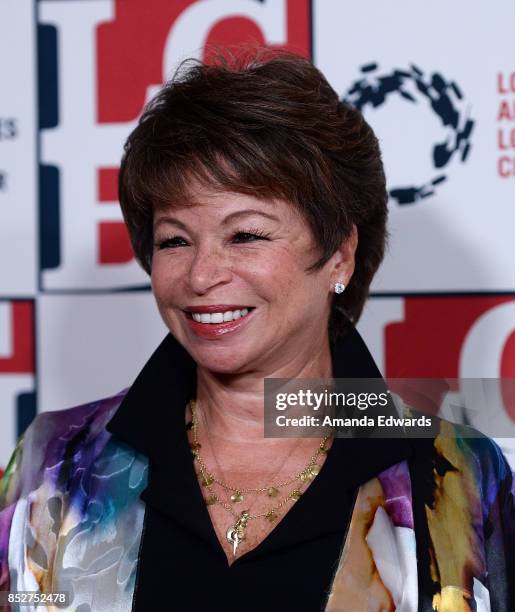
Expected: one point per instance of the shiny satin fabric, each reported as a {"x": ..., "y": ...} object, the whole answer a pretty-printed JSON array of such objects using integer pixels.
[
  {"x": 71, "y": 518},
  {"x": 437, "y": 534}
]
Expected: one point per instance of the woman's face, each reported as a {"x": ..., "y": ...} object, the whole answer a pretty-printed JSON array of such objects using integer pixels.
[{"x": 230, "y": 252}]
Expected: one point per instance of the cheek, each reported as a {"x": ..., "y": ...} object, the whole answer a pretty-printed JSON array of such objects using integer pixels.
[
  {"x": 271, "y": 275},
  {"x": 163, "y": 282},
  {"x": 277, "y": 278},
  {"x": 297, "y": 290}
]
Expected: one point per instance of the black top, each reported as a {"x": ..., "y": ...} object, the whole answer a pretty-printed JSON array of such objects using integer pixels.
[{"x": 182, "y": 565}]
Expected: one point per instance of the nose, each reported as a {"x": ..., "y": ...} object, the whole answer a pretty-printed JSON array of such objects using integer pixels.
[{"x": 209, "y": 267}]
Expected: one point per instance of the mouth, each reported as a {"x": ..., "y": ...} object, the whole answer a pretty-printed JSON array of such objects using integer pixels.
[
  {"x": 217, "y": 322},
  {"x": 219, "y": 316}
]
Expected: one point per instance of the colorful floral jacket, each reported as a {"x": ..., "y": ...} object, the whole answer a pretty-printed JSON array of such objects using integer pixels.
[
  {"x": 71, "y": 519},
  {"x": 432, "y": 532}
]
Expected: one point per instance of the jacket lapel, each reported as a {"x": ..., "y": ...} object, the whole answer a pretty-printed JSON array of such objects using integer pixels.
[
  {"x": 378, "y": 568},
  {"x": 168, "y": 381}
]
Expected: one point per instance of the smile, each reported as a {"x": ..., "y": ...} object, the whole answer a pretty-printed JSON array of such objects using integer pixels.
[
  {"x": 219, "y": 317},
  {"x": 218, "y": 321}
]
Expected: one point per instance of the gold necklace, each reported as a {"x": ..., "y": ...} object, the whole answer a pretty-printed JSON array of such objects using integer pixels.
[{"x": 236, "y": 533}]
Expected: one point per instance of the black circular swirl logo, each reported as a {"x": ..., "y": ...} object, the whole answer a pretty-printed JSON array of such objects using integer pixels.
[{"x": 443, "y": 97}]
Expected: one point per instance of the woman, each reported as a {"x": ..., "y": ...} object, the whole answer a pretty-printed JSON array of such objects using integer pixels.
[{"x": 256, "y": 202}]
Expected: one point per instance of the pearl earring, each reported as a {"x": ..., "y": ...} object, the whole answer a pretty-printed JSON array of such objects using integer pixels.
[{"x": 339, "y": 287}]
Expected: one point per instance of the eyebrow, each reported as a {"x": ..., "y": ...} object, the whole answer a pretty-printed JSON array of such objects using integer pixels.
[{"x": 235, "y": 215}]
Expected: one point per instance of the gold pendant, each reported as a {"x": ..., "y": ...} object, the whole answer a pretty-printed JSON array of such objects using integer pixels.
[
  {"x": 236, "y": 533},
  {"x": 205, "y": 479},
  {"x": 314, "y": 469},
  {"x": 236, "y": 497},
  {"x": 233, "y": 538},
  {"x": 271, "y": 515}
]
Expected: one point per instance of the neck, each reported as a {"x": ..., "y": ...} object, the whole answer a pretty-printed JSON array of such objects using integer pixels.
[{"x": 232, "y": 406}]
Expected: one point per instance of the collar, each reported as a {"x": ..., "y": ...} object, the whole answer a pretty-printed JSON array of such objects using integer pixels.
[{"x": 150, "y": 418}]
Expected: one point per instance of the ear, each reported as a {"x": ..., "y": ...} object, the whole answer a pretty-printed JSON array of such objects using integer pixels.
[{"x": 345, "y": 258}]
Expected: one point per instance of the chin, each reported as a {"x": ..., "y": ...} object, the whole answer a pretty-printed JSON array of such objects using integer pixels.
[{"x": 222, "y": 360}]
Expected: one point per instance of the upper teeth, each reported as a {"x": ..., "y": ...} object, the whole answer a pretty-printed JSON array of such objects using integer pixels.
[{"x": 219, "y": 317}]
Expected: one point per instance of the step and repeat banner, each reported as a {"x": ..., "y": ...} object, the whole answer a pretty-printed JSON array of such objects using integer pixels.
[{"x": 435, "y": 80}]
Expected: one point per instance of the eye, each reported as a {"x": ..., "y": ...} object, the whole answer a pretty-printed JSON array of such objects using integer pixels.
[
  {"x": 250, "y": 235},
  {"x": 169, "y": 242}
]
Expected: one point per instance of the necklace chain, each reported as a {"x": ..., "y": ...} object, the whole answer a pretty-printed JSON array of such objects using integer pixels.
[{"x": 236, "y": 533}]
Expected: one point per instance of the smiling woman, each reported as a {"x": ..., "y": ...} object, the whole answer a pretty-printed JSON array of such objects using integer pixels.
[
  {"x": 224, "y": 255},
  {"x": 256, "y": 201},
  {"x": 269, "y": 127}
]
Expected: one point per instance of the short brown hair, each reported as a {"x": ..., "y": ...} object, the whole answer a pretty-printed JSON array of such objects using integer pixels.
[{"x": 281, "y": 132}]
